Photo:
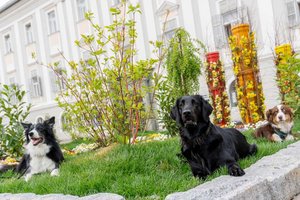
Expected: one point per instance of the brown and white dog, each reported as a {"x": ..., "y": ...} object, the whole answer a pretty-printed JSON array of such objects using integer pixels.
[{"x": 279, "y": 126}]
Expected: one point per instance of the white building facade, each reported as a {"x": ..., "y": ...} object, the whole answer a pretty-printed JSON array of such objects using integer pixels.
[{"x": 50, "y": 27}]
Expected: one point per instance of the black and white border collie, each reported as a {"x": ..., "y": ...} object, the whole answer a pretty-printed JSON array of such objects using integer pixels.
[
  {"x": 279, "y": 126},
  {"x": 42, "y": 150}
]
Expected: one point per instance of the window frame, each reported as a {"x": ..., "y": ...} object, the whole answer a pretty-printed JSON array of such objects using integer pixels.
[
  {"x": 58, "y": 83},
  {"x": 29, "y": 34},
  {"x": 12, "y": 83},
  {"x": 82, "y": 5},
  {"x": 116, "y": 3},
  {"x": 52, "y": 22},
  {"x": 295, "y": 14},
  {"x": 35, "y": 81},
  {"x": 8, "y": 43},
  {"x": 170, "y": 30}
]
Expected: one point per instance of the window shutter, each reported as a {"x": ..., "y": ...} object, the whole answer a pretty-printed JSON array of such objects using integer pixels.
[
  {"x": 292, "y": 12},
  {"x": 218, "y": 31}
]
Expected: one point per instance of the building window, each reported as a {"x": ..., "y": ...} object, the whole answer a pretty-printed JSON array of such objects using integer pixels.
[
  {"x": 233, "y": 95},
  {"x": 29, "y": 33},
  {"x": 229, "y": 14},
  {"x": 293, "y": 12},
  {"x": 116, "y": 2},
  {"x": 36, "y": 84},
  {"x": 227, "y": 5},
  {"x": 12, "y": 83},
  {"x": 227, "y": 28},
  {"x": 7, "y": 41},
  {"x": 57, "y": 82},
  {"x": 170, "y": 27},
  {"x": 52, "y": 22},
  {"x": 66, "y": 124},
  {"x": 82, "y": 9}
]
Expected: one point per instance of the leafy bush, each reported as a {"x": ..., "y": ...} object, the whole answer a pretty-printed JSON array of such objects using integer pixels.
[
  {"x": 13, "y": 110},
  {"x": 289, "y": 82},
  {"x": 105, "y": 93},
  {"x": 183, "y": 65}
]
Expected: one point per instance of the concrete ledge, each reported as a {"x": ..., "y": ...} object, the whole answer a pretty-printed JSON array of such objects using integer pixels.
[
  {"x": 273, "y": 177},
  {"x": 31, "y": 196}
]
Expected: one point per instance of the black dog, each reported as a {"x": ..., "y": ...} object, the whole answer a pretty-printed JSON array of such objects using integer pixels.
[{"x": 205, "y": 146}]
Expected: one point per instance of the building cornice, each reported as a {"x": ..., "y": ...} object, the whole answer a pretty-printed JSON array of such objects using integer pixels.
[{"x": 8, "y": 5}]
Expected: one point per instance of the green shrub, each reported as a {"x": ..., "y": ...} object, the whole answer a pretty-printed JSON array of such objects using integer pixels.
[
  {"x": 13, "y": 110},
  {"x": 183, "y": 65},
  {"x": 105, "y": 93},
  {"x": 289, "y": 82}
]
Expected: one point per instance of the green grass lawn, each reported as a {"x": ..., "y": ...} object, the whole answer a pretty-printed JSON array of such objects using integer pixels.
[{"x": 142, "y": 171}]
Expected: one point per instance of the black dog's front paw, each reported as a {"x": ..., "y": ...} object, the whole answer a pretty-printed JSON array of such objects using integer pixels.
[
  {"x": 201, "y": 173},
  {"x": 235, "y": 170}
]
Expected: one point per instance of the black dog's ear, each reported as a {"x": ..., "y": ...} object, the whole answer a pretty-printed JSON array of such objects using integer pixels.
[
  {"x": 175, "y": 115},
  {"x": 206, "y": 108},
  {"x": 50, "y": 122},
  {"x": 26, "y": 126}
]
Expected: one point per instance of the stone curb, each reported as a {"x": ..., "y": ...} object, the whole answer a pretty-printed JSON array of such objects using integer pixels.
[
  {"x": 275, "y": 177},
  {"x": 31, "y": 196}
]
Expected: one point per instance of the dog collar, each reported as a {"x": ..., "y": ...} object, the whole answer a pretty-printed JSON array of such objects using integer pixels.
[{"x": 280, "y": 133}]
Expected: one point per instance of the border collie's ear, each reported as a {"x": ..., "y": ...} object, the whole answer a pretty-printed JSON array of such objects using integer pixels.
[
  {"x": 50, "y": 122},
  {"x": 175, "y": 113},
  {"x": 206, "y": 108},
  {"x": 26, "y": 126},
  {"x": 268, "y": 115},
  {"x": 289, "y": 111}
]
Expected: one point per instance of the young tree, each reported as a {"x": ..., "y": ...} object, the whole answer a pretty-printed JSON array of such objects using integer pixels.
[
  {"x": 104, "y": 95},
  {"x": 183, "y": 67}
]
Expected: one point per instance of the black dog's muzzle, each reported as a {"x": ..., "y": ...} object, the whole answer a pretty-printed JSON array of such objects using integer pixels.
[{"x": 188, "y": 119}]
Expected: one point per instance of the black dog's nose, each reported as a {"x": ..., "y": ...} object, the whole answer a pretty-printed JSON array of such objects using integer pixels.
[
  {"x": 186, "y": 112},
  {"x": 280, "y": 117},
  {"x": 30, "y": 134}
]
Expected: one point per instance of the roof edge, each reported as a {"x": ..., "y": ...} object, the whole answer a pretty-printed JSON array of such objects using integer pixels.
[{"x": 8, "y": 5}]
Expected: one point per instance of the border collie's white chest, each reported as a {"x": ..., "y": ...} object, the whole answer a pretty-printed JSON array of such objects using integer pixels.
[{"x": 39, "y": 162}]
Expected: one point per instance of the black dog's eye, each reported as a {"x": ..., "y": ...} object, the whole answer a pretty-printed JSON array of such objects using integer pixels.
[
  {"x": 181, "y": 103},
  {"x": 195, "y": 103}
]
